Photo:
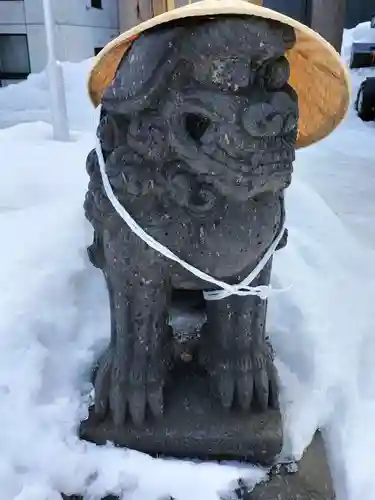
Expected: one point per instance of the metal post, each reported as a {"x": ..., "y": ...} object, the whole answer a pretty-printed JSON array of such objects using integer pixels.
[{"x": 55, "y": 80}]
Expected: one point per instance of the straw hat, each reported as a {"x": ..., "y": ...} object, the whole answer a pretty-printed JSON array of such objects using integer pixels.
[{"x": 318, "y": 74}]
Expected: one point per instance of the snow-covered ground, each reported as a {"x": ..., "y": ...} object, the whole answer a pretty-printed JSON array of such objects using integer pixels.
[{"x": 54, "y": 318}]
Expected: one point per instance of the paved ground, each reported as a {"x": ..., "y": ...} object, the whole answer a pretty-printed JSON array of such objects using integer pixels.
[{"x": 342, "y": 170}]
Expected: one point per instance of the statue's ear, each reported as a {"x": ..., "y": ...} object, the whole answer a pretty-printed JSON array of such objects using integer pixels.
[{"x": 143, "y": 71}]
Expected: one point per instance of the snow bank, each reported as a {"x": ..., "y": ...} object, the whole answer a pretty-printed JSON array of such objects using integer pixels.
[
  {"x": 53, "y": 322},
  {"x": 28, "y": 101},
  {"x": 361, "y": 33}
]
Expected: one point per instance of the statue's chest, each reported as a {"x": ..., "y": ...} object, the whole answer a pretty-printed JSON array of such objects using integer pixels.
[{"x": 224, "y": 243}]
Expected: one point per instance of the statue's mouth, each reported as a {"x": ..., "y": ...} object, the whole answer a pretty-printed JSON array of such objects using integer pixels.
[
  {"x": 256, "y": 161},
  {"x": 216, "y": 132},
  {"x": 278, "y": 175},
  {"x": 262, "y": 154}
]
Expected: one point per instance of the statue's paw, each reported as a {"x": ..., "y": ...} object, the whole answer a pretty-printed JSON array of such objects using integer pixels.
[
  {"x": 126, "y": 391},
  {"x": 244, "y": 380}
]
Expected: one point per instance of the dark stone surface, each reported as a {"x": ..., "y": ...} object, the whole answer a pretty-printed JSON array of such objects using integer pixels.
[
  {"x": 198, "y": 131},
  {"x": 195, "y": 426}
]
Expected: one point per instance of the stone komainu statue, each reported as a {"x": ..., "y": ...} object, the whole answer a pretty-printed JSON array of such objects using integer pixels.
[
  {"x": 198, "y": 135},
  {"x": 201, "y": 111}
]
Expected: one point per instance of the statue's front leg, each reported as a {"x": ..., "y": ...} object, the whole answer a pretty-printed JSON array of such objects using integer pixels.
[
  {"x": 131, "y": 374},
  {"x": 236, "y": 352}
]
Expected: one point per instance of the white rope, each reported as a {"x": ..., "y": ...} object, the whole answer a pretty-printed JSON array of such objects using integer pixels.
[{"x": 242, "y": 289}]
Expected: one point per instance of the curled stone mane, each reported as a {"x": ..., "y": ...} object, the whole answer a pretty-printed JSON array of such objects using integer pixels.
[{"x": 197, "y": 114}]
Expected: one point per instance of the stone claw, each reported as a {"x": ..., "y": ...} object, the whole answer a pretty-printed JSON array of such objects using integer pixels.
[
  {"x": 245, "y": 381},
  {"x": 156, "y": 400},
  {"x": 137, "y": 403},
  {"x": 124, "y": 398},
  {"x": 102, "y": 379},
  {"x": 261, "y": 382},
  {"x": 245, "y": 390},
  {"x": 226, "y": 386}
]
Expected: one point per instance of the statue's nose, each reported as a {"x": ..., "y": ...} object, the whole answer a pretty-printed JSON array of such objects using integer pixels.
[{"x": 274, "y": 117}]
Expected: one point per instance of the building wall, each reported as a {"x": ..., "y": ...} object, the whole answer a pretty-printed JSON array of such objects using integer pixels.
[
  {"x": 132, "y": 12},
  {"x": 74, "y": 43},
  {"x": 127, "y": 13},
  {"x": 298, "y": 9},
  {"x": 12, "y": 29},
  {"x": 80, "y": 28},
  {"x": 12, "y": 12},
  {"x": 76, "y": 13},
  {"x": 358, "y": 11}
]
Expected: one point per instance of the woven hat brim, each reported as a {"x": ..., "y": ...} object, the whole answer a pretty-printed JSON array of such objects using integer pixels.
[{"x": 318, "y": 74}]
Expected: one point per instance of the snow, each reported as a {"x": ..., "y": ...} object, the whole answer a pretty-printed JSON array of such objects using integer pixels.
[
  {"x": 54, "y": 317},
  {"x": 28, "y": 101},
  {"x": 52, "y": 328}
]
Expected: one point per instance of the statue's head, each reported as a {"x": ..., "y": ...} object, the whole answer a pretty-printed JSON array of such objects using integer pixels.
[
  {"x": 214, "y": 97},
  {"x": 208, "y": 100}
]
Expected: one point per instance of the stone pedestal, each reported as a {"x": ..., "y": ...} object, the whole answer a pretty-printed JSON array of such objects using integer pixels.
[{"x": 194, "y": 425}]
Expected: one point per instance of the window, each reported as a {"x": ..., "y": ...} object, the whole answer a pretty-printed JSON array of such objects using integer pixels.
[
  {"x": 14, "y": 57},
  {"x": 96, "y": 4}
]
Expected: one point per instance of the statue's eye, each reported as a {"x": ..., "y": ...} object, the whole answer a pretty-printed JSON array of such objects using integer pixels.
[
  {"x": 277, "y": 74},
  {"x": 196, "y": 125}
]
